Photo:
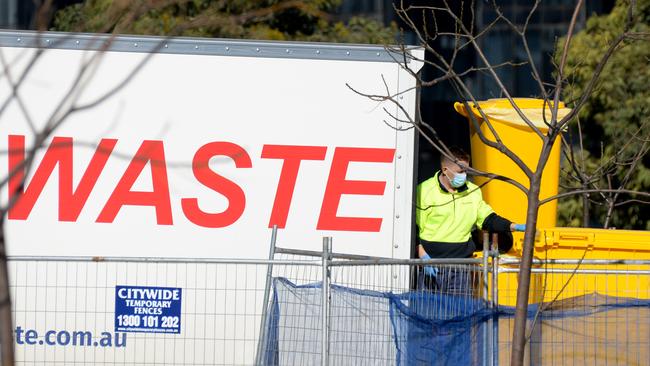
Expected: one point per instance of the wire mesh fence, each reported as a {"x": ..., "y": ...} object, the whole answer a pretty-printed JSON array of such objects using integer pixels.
[
  {"x": 65, "y": 311},
  {"x": 375, "y": 311},
  {"x": 589, "y": 312},
  {"x": 366, "y": 294}
]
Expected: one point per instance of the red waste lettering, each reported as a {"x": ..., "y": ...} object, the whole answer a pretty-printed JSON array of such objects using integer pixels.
[
  {"x": 151, "y": 152},
  {"x": 337, "y": 186},
  {"x": 59, "y": 153},
  {"x": 292, "y": 156},
  {"x": 234, "y": 193}
]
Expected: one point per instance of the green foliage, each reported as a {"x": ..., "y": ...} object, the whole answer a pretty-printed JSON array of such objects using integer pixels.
[
  {"x": 306, "y": 20},
  {"x": 616, "y": 119}
]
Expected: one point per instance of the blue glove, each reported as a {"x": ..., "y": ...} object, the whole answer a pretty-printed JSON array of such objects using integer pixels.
[
  {"x": 428, "y": 270},
  {"x": 520, "y": 227}
]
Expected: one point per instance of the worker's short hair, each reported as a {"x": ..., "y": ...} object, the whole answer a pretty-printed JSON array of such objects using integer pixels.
[{"x": 457, "y": 153}]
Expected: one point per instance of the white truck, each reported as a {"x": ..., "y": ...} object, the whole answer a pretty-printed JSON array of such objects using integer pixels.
[{"x": 187, "y": 149}]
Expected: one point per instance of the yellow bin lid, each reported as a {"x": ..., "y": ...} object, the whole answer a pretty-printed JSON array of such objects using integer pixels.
[{"x": 500, "y": 109}]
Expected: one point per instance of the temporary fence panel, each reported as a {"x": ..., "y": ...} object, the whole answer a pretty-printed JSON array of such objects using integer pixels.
[
  {"x": 587, "y": 330},
  {"x": 363, "y": 303},
  {"x": 65, "y": 311},
  {"x": 368, "y": 327},
  {"x": 578, "y": 324},
  {"x": 356, "y": 333}
]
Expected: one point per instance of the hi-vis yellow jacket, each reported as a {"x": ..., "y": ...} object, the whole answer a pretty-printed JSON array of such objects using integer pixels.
[{"x": 447, "y": 217}]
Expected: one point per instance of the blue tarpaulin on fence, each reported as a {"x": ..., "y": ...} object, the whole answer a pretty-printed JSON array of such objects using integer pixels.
[{"x": 424, "y": 328}]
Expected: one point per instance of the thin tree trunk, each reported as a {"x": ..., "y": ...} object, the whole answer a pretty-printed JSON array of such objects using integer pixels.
[
  {"x": 585, "y": 210},
  {"x": 6, "y": 321},
  {"x": 610, "y": 209},
  {"x": 523, "y": 288}
]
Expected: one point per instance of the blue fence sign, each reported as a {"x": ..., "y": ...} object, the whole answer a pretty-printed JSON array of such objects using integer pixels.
[{"x": 148, "y": 309}]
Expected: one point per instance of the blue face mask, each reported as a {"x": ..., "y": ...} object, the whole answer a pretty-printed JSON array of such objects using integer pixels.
[{"x": 458, "y": 180}]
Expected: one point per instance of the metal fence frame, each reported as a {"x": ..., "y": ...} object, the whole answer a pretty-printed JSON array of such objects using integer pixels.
[{"x": 491, "y": 265}]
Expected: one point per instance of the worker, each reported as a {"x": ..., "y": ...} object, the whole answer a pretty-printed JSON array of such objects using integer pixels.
[{"x": 448, "y": 209}]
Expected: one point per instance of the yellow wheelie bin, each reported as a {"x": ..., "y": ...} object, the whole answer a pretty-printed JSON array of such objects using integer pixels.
[{"x": 505, "y": 198}]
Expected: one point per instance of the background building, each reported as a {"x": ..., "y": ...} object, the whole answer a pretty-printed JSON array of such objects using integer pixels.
[{"x": 20, "y": 14}]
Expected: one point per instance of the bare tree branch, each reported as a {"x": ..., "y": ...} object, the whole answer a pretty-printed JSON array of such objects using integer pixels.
[{"x": 580, "y": 191}]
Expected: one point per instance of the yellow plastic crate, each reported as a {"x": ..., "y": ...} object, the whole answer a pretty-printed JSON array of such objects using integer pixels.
[{"x": 577, "y": 243}]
